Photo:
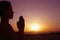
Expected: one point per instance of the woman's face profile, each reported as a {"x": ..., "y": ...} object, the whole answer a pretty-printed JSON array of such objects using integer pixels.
[
  {"x": 9, "y": 12},
  {"x": 6, "y": 9}
]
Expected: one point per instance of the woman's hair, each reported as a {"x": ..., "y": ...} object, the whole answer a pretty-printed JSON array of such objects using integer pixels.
[{"x": 4, "y": 5}]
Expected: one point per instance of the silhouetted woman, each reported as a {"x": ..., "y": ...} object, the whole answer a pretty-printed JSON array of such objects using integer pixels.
[{"x": 6, "y": 13}]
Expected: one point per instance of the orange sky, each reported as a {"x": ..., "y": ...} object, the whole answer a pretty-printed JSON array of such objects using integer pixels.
[{"x": 44, "y": 13}]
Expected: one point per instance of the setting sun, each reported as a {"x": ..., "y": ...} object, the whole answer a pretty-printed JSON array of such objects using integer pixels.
[{"x": 35, "y": 27}]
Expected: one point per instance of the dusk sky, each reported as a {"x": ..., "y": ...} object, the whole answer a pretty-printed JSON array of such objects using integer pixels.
[{"x": 43, "y": 12}]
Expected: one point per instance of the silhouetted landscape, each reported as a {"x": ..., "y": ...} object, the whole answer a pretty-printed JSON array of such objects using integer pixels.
[{"x": 49, "y": 36}]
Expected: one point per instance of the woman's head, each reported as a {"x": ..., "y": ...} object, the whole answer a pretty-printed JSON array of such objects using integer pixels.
[{"x": 6, "y": 9}]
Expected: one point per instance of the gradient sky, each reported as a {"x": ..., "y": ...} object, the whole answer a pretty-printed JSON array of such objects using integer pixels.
[{"x": 45, "y": 12}]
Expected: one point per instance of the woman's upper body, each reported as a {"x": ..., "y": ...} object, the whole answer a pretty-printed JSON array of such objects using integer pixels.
[{"x": 6, "y": 13}]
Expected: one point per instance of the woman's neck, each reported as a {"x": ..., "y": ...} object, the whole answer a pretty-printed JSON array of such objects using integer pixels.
[{"x": 5, "y": 20}]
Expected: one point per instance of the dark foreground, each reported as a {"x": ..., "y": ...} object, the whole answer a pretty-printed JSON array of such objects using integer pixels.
[{"x": 50, "y": 36}]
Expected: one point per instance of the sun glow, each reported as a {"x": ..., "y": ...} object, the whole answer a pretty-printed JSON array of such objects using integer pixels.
[{"x": 35, "y": 27}]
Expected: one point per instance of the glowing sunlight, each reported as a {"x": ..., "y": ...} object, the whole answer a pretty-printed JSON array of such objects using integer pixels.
[{"x": 35, "y": 27}]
